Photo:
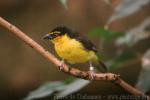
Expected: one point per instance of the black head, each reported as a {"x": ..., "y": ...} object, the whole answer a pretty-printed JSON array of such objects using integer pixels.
[{"x": 59, "y": 31}]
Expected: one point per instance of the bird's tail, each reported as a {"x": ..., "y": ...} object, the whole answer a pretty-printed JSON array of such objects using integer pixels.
[
  {"x": 103, "y": 65},
  {"x": 99, "y": 64}
]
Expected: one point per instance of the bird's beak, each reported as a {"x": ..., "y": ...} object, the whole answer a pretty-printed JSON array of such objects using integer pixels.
[{"x": 48, "y": 36}]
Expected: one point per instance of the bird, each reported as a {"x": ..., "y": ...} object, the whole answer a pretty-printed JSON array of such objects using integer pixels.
[{"x": 74, "y": 48}]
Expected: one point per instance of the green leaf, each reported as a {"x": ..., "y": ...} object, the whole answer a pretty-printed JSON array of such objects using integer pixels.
[
  {"x": 69, "y": 80},
  {"x": 106, "y": 34},
  {"x": 120, "y": 60},
  {"x": 58, "y": 88},
  {"x": 45, "y": 90},
  {"x": 74, "y": 86},
  {"x": 64, "y": 3}
]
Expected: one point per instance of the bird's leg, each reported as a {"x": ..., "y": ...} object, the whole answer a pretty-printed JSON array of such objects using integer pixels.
[
  {"x": 91, "y": 70},
  {"x": 61, "y": 64}
]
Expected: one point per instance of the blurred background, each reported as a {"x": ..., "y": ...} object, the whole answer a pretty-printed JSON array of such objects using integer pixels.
[{"x": 124, "y": 43}]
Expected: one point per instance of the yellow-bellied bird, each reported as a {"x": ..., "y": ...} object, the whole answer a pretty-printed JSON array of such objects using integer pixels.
[{"x": 73, "y": 47}]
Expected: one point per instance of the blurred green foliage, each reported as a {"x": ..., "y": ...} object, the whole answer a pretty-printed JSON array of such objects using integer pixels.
[
  {"x": 120, "y": 59},
  {"x": 105, "y": 34}
]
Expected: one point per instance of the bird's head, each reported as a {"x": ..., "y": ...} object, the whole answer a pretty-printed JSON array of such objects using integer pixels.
[{"x": 60, "y": 32}]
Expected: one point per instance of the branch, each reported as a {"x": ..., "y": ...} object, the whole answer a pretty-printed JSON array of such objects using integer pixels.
[{"x": 69, "y": 70}]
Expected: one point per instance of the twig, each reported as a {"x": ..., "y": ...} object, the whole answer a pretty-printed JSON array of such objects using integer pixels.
[{"x": 67, "y": 69}]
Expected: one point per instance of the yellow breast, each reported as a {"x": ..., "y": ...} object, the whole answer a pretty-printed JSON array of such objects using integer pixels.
[{"x": 73, "y": 51}]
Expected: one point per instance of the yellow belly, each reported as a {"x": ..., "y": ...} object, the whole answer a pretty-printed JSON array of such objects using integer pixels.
[{"x": 74, "y": 52}]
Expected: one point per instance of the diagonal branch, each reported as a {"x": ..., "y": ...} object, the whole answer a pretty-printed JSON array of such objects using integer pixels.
[{"x": 71, "y": 71}]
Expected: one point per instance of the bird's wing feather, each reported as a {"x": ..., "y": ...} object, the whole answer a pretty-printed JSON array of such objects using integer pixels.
[{"x": 86, "y": 42}]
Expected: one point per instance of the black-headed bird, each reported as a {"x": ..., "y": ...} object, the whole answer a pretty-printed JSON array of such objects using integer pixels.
[{"x": 74, "y": 48}]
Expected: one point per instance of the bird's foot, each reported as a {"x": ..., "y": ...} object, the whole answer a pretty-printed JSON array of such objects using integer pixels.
[
  {"x": 91, "y": 75},
  {"x": 61, "y": 67}
]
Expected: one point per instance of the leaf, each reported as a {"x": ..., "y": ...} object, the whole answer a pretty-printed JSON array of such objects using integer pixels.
[
  {"x": 69, "y": 80},
  {"x": 104, "y": 33},
  {"x": 126, "y": 8},
  {"x": 73, "y": 87},
  {"x": 134, "y": 35},
  {"x": 63, "y": 88},
  {"x": 144, "y": 81},
  {"x": 120, "y": 60},
  {"x": 64, "y": 3},
  {"x": 46, "y": 89}
]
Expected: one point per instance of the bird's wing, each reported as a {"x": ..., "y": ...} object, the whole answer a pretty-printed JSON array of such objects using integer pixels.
[{"x": 87, "y": 43}]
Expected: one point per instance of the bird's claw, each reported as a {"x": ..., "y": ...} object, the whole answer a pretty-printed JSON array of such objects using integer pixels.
[
  {"x": 61, "y": 67},
  {"x": 91, "y": 75}
]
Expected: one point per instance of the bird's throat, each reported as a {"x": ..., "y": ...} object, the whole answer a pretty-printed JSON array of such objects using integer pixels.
[{"x": 61, "y": 39}]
